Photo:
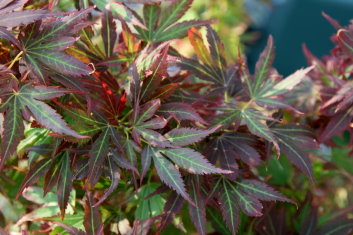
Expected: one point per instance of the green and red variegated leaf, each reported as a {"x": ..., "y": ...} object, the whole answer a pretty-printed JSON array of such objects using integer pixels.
[
  {"x": 198, "y": 212},
  {"x": 180, "y": 111},
  {"x": 248, "y": 203},
  {"x": 130, "y": 149},
  {"x": 187, "y": 136},
  {"x": 159, "y": 69},
  {"x": 123, "y": 162},
  {"x": 70, "y": 229},
  {"x": 259, "y": 128},
  {"x": 229, "y": 207},
  {"x": 114, "y": 175},
  {"x": 264, "y": 65},
  {"x": 179, "y": 30},
  {"x": 172, "y": 207},
  {"x": 146, "y": 157},
  {"x": 147, "y": 111},
  {"x": 9, "y": 36},
  {"x": 97, "y": 156},
  {"x": 151, "y": 13},
  {"x": 121, "y": 11},
  {"x": 216, "y": 49},
  {"x": 240, "y": 146},
  {"x": 164, "y": 92},
  {"x": 18, "y": 18},
  {"x": 345, "y": 40},
  {"x": 338, "y": 123},
  {"x": 56, "y": 29},
  {"x": 169, "y": 174},
  {"x": 294, "y": 141},
  {"x": 192, "y": 161},
  {"x": 13, "y": 130},
  {"x": 342, "y": 226},
  {"x": 231, "y": 116},
  {"x": 52, "y": 176},
  {"x": 155, "y": 123},
  {"x": 275, "y": 104},
  {"x": 35, "y": 172},
  {"x": 288, "y": 83},
  {"x": 48, "y": 117},
  {"x": 109, "y": 34},
  {"x": 260, "y": 190},
  {"x": 203, "y": 71},
  {"x": 58, "y": 44},
  {"x": 172, "y": 14},
  {"x": 154, "y": 138},
  {"x": 61, "y": 62},
  {"x": 10, "y": 5},
  {"x": 44, "y": 92},
  {"x": 195, "y": 38},
  {"x": 92, "y": 219},
  {"x": 146, "y": 1},
  {"x": 64, "y": 186}
]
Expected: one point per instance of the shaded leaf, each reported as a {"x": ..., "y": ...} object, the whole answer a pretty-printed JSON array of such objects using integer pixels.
[
  {"x": 64, "y": 183},
  {"x": 113, "y": 174},
  {"x": 92, "y": 219},
  {"x": 35, "y": 172}
]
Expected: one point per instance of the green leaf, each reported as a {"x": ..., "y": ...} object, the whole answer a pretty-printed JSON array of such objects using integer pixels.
[
  {"x": 192, "y": 161},
  {"x": 172, "y": 14},
  {"x": 64, "y": 183},
  {"x": 179, "y": 30},
  {"x": 151, "y": 13},
  {"x": 151, "y": 207}
]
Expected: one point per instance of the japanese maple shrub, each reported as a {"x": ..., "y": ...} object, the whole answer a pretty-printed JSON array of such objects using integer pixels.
[{"x": 117, "y": 115}]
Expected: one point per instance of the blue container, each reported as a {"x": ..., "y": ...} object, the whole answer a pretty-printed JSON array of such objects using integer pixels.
[{"x": 295, "y": 22}]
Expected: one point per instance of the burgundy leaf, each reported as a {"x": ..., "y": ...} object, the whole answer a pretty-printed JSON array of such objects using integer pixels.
[
  {"x": 92, "y": 219},
  {"x": 17, "y": 18}
]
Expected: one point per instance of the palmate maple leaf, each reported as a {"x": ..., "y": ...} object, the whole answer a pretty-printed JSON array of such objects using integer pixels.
[{"x": 21, "y": 103}]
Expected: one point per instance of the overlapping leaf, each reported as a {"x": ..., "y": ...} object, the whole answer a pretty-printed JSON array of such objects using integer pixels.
[
  {"x": 294, "y": 141},
  {"x": 244, "y": 195},
  {"x": 11, "y": 18},
  {"x": 162, "y": 25},
  {"x": 43, "y": 45},
  {"x": 145, "y": 125},
  {"x": 26, "y": 99}
]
